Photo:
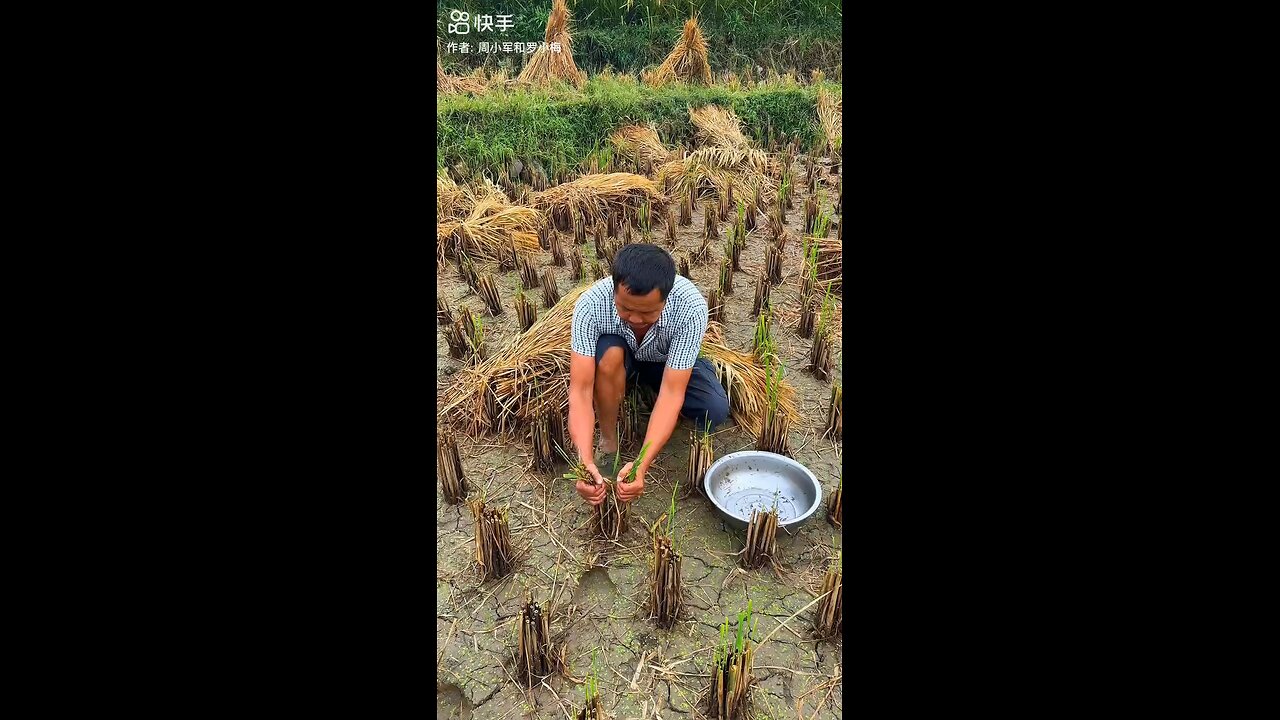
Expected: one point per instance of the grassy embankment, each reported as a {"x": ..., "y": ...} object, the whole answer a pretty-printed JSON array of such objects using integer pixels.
[{"x": 561, "y": 128}]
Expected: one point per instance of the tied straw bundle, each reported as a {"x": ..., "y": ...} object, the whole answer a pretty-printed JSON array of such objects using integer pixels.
[
  {"x": 762, "y": 538},
  {"x": 666, "y": 593},
  {"x": 731, "y": 670},
  {"x": 829, "y": 621},
  {"x": 610, "y": 517},
  {"x": 715, "y": 126},
  {"x": 701, "y": 455},
  {"x": 710, "y": 171},
  {"x": 449, "y": 466},
  {"x": 775, "y": 426},
  {"x": 687, "y": 61},
  {"x": 535, "y": 657},
  {"x": 834, "y": 509},
  {"x": 547, "y": 65},
  {"x": 835, "y": 413},
  {"x": 493, "y": 541}
]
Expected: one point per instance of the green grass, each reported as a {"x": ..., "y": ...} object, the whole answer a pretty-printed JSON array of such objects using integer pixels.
[{"x": 561, "y": 127}]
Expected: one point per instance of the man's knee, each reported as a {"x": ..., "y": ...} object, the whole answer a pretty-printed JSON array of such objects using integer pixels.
[
  {"x": 718, "y": 410},
  {"x": 712, "y": 408},
  {"x": 611, "y": 362}
]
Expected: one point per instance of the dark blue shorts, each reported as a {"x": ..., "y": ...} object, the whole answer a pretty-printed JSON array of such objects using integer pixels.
[{"x": 704, "y": 400}]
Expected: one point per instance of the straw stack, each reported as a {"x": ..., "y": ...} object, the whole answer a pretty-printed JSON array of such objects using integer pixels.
[
  {"x": 546, "y": 65},
  {"x": 687, "y": 61}
]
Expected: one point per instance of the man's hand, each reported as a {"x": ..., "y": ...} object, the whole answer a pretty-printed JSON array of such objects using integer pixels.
[
  {"x": 593, "y": 491},
  {"x": 628, "y": 491}
]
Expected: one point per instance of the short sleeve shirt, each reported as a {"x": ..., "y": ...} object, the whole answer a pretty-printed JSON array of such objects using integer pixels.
[{"x": 675, "y": 339}]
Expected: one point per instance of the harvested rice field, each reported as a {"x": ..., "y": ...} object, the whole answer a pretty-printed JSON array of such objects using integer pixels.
[{"x": 546, "y": 607}]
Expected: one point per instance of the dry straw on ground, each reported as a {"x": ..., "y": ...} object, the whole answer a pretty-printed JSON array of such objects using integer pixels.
[
  {"x": 687, "y": 61},
  {"x": 547, "y": 65},
  {"x": 710, "y": 171},
  {"x": 488, "y": 231},
  {"x": 595, "y": 196},
  {"x": 642, "y": 142},
  {"x": 715, "y": 126},
  {"x": 446, "y": 83}
]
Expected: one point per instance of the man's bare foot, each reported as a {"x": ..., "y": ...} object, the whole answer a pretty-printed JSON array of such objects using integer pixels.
[{"x": 608, "y": 446}]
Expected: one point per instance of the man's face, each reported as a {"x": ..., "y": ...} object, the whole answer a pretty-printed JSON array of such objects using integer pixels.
[{"x": 638, "y": 311}]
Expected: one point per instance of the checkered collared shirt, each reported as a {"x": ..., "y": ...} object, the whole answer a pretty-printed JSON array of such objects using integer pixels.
[{"x": 676, "y": 338}]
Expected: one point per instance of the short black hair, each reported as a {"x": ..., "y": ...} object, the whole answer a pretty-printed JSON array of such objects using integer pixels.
[{"x": 643, "y": 267}]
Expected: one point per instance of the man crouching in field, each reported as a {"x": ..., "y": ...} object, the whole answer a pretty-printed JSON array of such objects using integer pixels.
[{"x": 644, "y": 324}]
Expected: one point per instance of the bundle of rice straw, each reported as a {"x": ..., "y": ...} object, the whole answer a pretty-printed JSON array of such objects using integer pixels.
[
  {"x": 489, "y": 231},
  {"x": 546, "y": 65},
  {"x": 712, "y": 170},
  {"x": 830, "y": 252},
  {"x": 455, "y": 202},
  {"x": 829, "y": 116},
  {"x": 594, "y": 196},
  {"x": 447, "y": 84},
  {"x": 717, "y": 127},
  {"x": 638, "y": 141},
  {"x": 541, "y": 353},
  {"x": 687, "y": 61},
  {"x": 499, "y": 394}
]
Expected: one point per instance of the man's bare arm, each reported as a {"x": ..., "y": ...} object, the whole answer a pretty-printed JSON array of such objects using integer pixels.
[{"x": 582, "y": 415}]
